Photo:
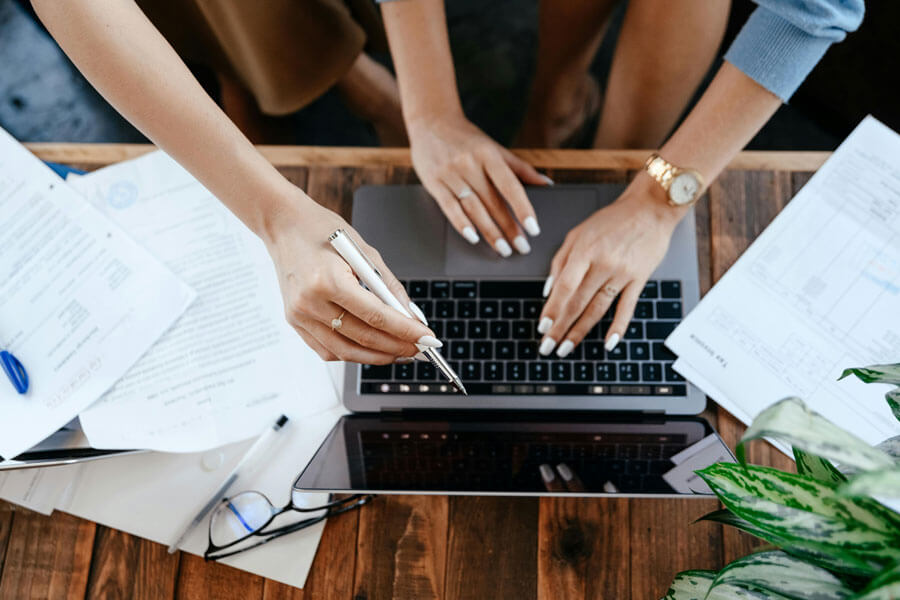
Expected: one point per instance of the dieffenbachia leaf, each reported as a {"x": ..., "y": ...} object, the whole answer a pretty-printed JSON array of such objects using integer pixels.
[
  {"x": 875, "y": 374},
  {"x": 690, "y": 585},
  {"x": 818, "y": 468},
  {"x": 891, "y": 447},
  {"x": 790, "y": 421},
  {"x": 794, "y": 508},
  {"x": 886, "y": 586},
  {"x": 885, "y": 483},
  {"x": 778, "y": 573},
  {"x": 733, "y": 592},
  {"x": 893, "y": 400}
]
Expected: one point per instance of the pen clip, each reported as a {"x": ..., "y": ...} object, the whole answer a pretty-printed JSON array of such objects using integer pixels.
[
  {"x": 350, "y": 239},
  {"x": 15, "y": 371}
]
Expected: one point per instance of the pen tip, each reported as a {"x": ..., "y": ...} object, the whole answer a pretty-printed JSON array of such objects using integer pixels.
[{"x": 281, "y": 421}]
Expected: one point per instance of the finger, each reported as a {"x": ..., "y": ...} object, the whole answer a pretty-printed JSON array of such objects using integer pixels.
[
  {"x": 570, "y": 478},
  {"x": 511, "y": 190},
  {"x": 445, "y": 196},
  {"x": 474, "y": 208},
  {"x": 311, "y": 341},
  {"x": 566, "y": 287},
  {"x": 523, "y": 170},
  {"x": 394, "y": 284},
  {"x": 569, "y": 311},
  {"x": 498, "y": 209},
  {"x": 552, "y": 483},
  {"x": 592, "y": 314},
  {"x": 369, "y": 337},
  {"x": 624, "y": 311},
  {"x": 556, "y": 266},
  {"x": 344, "y": 348}
]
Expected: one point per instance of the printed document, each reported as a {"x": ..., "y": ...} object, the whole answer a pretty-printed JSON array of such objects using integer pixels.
[
  {"x": 232, "y": 364},
  {"x": 80, "y": 301},
  {"x": 817, "y": 292}
]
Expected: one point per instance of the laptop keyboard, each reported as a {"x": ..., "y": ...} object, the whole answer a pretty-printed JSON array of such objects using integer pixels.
[{"x": 491, "y": 341}]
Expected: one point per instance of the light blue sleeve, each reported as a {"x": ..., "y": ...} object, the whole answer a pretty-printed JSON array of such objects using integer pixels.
[{"x": 784, "y": 39}]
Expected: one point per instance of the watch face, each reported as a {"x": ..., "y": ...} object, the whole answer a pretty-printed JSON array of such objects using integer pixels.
[{"x": 684, "y": 188}]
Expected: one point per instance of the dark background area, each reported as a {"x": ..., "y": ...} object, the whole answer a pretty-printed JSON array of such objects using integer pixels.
[{"x": 44, "y": 98}]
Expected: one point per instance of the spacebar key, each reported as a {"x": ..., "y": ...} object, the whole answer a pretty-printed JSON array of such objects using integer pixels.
[{"x": 511, "y": 289}]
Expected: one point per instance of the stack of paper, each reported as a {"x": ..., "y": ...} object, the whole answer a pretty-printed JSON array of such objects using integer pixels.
[{"x": 817, "y": 292}]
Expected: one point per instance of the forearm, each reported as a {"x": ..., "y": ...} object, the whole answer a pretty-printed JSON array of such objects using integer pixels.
[
  {"x": 420, "y": 48},
  {"x": 126, "y": 59}
]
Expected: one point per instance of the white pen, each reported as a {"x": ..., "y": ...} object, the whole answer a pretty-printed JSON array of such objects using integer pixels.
[
  {"x": 369, "y": 275},
  {"x": 255, "y": 451}
]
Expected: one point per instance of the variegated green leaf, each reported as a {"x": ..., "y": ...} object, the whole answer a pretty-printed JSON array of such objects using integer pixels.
[
  {"x": 792, "y": 422},
  {"x": 779, "y": 573},
  {"x": 690, "y": 585},
  {"x": 891, "y": 447},
  {"x": 733, "y": 592},
  {"x": 893, "y": 400},
  {"x": 884, "y": 483},
  {"x": 818, "y": 468},
  {"x": 886, "y": 586},
  {"x": 875, "y": 374}
]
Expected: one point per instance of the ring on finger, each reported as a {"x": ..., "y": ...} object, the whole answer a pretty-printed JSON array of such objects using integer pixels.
[
  {"x": 610, "y": 291},
  {"x": 464, "y": 193},
  {"x": 336, "y": 323}
]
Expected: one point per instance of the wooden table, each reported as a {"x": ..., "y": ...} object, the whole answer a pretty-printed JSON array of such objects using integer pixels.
[{"x": 437, "y": 547}]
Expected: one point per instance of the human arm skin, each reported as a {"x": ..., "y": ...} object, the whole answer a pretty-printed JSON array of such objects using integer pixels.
[
  {"x": 127, "y": 60},
  {"x": 622, "y": 244},
  {"x": 449, "y": 153}
]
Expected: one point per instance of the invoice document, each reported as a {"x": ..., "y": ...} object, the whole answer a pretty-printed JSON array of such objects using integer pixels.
[
  {"x": 232, "y": 364},
  {"x": 817, "y": 292},
  {"x": 80, "y": 301}
]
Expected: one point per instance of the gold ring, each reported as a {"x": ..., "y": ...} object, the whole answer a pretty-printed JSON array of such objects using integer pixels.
[
  {"x": 336, "y": 323},
  {"x": 610, "y": 291}
]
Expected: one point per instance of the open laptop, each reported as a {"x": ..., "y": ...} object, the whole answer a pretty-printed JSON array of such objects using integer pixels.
[
  {"x": 613, "y": 420},
  {"x": 67, "y": 446}
]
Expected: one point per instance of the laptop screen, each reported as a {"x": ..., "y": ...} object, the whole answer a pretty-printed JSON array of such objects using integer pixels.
[{"x": 532, "y": 454}]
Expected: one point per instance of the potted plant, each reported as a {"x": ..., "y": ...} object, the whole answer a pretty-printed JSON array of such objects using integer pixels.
[{"x": 831, "y": 534}]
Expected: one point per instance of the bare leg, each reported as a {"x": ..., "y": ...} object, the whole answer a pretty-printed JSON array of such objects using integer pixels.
[
  {"x": 371, "y": 92},
  {"x": 663, "y": 52},
  {"x": 569, "y": 34}
]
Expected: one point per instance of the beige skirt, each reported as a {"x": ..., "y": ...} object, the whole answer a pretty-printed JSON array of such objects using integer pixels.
[{"x": 286, "y": 53}]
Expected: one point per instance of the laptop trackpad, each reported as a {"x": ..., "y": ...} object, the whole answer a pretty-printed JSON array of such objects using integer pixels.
[{"x": 558, "y": 209}]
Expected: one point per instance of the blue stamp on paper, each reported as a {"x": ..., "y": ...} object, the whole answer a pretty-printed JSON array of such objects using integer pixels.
[{"x": 121, "y": 195}]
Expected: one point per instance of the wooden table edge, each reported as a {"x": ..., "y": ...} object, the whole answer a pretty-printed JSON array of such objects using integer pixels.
[{"x": 301, "y": 156}]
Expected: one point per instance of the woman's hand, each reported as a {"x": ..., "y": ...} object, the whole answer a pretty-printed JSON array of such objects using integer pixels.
[
  {"x": 318, "y": 286},
  {"x": 612, "y": 253},
  {"x": 476, "y": 182}
]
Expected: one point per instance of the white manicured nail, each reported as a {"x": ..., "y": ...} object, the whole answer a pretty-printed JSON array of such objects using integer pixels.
[
  {"x": 564, "y": 349},
  {"x": 531, "y": 226},
  {"x": 470, "y": 235},
  {"x": 547, "y": 285},
  {"x": 548, "y": 180},
  {"x": 547, "y": 473},
  {"x": 421, "y": 356},
  {"x": 565, "y": 472},
  {"x": 547, "y": 346},
  {"x": 612, "y": 342},
  {"x": 418, "y": 313},
  {"x": 522, "y": 244},
  {"x": 503, "y": 248},
  {"x": 404, "y": 360},
  {"x": 545, "y": 325},
  {"x": 431, "y": 341}
]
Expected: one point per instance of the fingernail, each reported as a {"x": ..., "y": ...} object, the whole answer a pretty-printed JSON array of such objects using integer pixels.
[
  {"x": 565, "y": 348},
  {"x": 547, "y": 473},
  {"x": 547, "y": 285},
  {"x": 503, "y": 248},
  {"x": 418, "y": 313},
  {"x": 531, "y": 226},
  {"x": 545, "y": 325},
  {"x": 548, "y": 180},
  {"x": 421, "y": 356},
  {"x": 522, "y": 244},
  {"x": 404, "y": 360},
  {"x": 612, "y": 342},
  {"x": 431, "y": 341},
  {"x": 470, "y": 235},
  {"x": 547, "y": 346},
  {"x": 565, "y": 472}
]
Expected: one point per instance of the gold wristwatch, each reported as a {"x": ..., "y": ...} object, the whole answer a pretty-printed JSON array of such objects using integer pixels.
[{"x": 683, "y": 186}]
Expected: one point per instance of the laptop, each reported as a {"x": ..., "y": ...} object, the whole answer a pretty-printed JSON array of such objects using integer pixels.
[
  {"x": 615, "y": 422},
  {"x": 66, "y": 446}
]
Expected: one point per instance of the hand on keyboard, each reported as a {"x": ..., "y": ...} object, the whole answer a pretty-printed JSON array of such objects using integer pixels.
[{"x": 607, "y": 258}]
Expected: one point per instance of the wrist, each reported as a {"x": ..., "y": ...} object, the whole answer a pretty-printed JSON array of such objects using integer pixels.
[
  {"x": 279, "y": 213},
  {"x": 427, "y": 114},
  {"x": 646, "y": 196}
]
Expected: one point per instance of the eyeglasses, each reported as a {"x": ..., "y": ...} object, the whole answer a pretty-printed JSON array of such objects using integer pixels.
[{"x": 243, "y": 520}]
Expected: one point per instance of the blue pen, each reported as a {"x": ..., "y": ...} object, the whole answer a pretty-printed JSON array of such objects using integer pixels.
[{"x": 15, "y": 371}]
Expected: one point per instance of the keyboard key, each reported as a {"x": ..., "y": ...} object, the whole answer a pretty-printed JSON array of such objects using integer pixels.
[
  {"x": 593, "y": 333},
  {"x": 639, "y": 351},
  {"x": 404, "y": 371},
  {"x": 523, "y": 330},
  {"x": 617, "y": 353},
  {"x": 511, "y": 289},
  {"x": 483, "y": 350},
  {"x": 427, "y": 307},
  {"x": 561, "y": 371},
  {"x": 668, "y": 310},
  {"x": 437, "y": 327},
  {"x": 628, "y": 451},
  {"x": 606, "y": 372},
  {"x": 628, "y": 371},
  {"x": 505, "y": 350},
  {"x": 466, "y": 309},
  {"x": 576, "y": 353},
  {"x": 499, "y": 330},
  {"x": 440, "y": 289},
  {"x": 538, "y": 371},
  {"x": 651, "y": 290},
  {"x": 493, "y": 371},
  {"x": 477, "y": 330},
  {"x": 471, "y": 371},
  {"x": 456, "y": 330},
  {"x": 460, "y": 350},
  {"x": 671, "y": 375},
  {"x": 376, "y": 372},
  {"x": 444, "y": 309},
  {"x": 660, "y": 330},
  {"x": 643, "y": 310},
  {"x": 635, "y": 331},
  {"x": 511, "y": 309},
  {"x": 489, "y": 309},
  {"x": 418, "y": 289},
  {"x": 651, "y": 372},
  {"x": 593, "y": 350},
  {"x": 670, "y": 289},
  {"x": 584, "y": 371},
  {"x": 465, "y": 289},
  {"x": 531, "y": 309},
  {"x": 425, "y": 371},
  {"x": 660, "y": 352},
  {"x": 515, "y": 371},
  {"x": 526, "y": 350}
]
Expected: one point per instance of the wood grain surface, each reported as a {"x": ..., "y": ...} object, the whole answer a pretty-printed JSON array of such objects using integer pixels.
[{"x": 436, "y": 546}]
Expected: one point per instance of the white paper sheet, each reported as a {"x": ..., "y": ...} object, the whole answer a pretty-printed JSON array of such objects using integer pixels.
[
  {"x": 817, "y": 292},
  {"x": 39, "y": 490},
  {"x": 232, "y": 364},
  {"x": 80, "y": 301}
]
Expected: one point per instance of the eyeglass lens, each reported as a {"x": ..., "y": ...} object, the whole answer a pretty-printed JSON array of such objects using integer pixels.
[{"x": 239, "y": 517}]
